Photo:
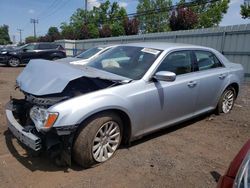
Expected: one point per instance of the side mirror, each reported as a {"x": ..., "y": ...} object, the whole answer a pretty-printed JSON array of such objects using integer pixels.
[
  {"x": 165, "y": 76},
  {"x": 25, "y": 50}
]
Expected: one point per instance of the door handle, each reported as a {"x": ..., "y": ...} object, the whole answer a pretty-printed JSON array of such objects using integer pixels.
[
  {"x": 222, "y": 76},
  {"x": 192, "y": 84}
]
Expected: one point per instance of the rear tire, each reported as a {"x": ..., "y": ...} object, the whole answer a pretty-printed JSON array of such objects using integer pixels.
[
  {"x": 98, "y": 139},
  {"x": 14, "y": 62},
  {"x": 226, "y": 101}
]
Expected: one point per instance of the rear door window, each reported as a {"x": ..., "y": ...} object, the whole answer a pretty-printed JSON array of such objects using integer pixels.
[
  {"x": 206, "y": 60},
  {"x": 46, "y": 46}
]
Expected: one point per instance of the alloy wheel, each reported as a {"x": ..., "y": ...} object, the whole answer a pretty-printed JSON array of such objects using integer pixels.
[
  {"x": 106, "y": 141},
  {"x": 228, "y": 101},
  {"x": 14, "y": 62}
]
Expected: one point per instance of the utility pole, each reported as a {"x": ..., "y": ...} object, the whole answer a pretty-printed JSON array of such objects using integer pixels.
[
  {"x": 14, "y": 39},
  {"x": 86, "y": 9},
  {"x": 34, "y": 21},
  {"x": 86, "y": 5},
  {"x": 20, "y": 33}
]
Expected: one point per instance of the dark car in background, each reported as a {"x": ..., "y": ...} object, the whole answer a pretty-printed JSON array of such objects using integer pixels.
[{"x": 23, "y": 54}]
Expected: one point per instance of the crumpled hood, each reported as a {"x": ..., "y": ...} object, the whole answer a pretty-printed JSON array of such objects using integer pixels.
[{"x": 43, "y": 77}]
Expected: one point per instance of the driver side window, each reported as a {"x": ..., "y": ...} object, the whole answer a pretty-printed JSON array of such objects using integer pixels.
[{"x": 178, "y": 62}]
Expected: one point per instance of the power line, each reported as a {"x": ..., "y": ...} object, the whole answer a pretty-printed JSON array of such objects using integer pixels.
[
  {"x": 58, "y": 6},
  {"x": 54, "y": 4},
  {"x": 57, "y": 9},
  {"x": 44, "y": 12},
  {"x": 34, "y": 21},
  {"x": 165, "y": 9}
]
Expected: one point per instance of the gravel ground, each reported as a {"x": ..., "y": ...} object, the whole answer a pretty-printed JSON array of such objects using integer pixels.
[{"x": 186, "y": 155}]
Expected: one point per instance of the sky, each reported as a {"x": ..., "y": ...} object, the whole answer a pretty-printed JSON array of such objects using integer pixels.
[{"x": 17, "y": 13}]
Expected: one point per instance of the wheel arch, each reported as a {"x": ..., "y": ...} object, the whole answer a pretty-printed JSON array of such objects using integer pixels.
[
  {"x": 15, "y": 56},
  {"x": 126, "y": 137},
  {"x": 235, "y": 86}
]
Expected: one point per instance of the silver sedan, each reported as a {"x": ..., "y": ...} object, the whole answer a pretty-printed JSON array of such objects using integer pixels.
[{"x": 127, "y": 92}]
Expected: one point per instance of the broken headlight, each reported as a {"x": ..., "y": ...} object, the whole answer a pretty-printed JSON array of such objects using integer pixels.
[{"x": 42, "y": 119}]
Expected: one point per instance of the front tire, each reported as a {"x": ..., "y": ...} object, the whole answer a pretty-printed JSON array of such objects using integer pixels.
[
  {"x": 98, "y": 140},
  {"x": 227, "y": 100},
  {"x": 14, "y": 62}
]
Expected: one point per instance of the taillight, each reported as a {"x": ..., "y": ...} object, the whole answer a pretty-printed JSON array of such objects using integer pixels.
[{"x": 62, "y": 49}]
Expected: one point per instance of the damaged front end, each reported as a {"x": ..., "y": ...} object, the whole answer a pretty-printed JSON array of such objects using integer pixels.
[
  {"x": 30, "y": 119},
  {"x": 33, "y": 126}
]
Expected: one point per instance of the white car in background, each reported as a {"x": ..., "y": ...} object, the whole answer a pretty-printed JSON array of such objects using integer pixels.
[{"x": 87, "y": 55}]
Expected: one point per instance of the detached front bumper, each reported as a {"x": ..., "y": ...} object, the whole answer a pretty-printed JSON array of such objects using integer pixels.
[{"x": 27, "y": 138}]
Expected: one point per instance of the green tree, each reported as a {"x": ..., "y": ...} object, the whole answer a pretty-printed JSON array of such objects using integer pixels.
[
  {"x": 101, "y": 13},
  {"x": 67, "y": 31},
  {"x": 117, "y": 30},
  {"x": 183, "y": 19},
  {"x": 30, "y": 39},
  {"x": 4, "y": 35},
  {"x": 154, "y": 15},
  {"x": 131, "y": 26},
  {"x": 93, "y": 31},
  {"x": 53, "y": 34},
  {"x": 209, "y": 13},
  {"x": 86, "y": 24},
  {"x": 108, "y": 13},
  {"x": 43, "y": 39},
  {"x": 245, "y": 11},
  {"x": 117, "y": 14},
  {"x": 82, "y": 17},
  {"x": 105, "y": 31}
]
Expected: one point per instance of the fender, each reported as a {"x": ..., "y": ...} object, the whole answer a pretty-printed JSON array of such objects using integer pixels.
[{"x": 74, "y": 111}]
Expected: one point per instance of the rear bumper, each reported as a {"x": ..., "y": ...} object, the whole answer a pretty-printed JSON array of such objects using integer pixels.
[{"x": 27, "y": 138}]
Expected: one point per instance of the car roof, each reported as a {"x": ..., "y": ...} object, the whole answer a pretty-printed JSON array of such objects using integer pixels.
[
  {"x": 107, "y": 46},
  {"x": 164, "y": 45},
  {"x": 43, "y": 43}
]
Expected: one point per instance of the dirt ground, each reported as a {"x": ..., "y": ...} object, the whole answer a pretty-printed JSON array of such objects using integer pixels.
[{"x": 191, "y": 154}]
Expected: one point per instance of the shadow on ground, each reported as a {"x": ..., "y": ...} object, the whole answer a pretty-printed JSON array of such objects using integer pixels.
[
  {"x": 168, "y": 130},
  {"x": 42, "y": 162}
]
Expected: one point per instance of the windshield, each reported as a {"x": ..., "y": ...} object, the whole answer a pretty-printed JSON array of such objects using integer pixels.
[
  {"x": 88, "y": 53},
  {"x": 27, "y": 47},
  {"x": 127, "y": 61},
  {"x": 21, "y": 47}
]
